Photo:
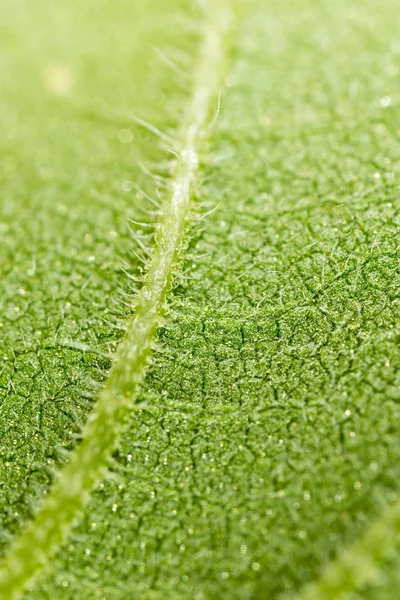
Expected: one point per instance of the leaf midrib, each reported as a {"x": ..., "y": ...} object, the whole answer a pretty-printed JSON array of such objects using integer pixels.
[{"x": 30, "y": 552}]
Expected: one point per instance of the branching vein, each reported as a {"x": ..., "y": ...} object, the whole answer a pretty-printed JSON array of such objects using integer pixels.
[{"x": 357, "y": 566}]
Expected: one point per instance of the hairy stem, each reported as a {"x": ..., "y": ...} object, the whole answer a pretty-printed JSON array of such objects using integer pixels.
[{"x": 31, "y": 551}]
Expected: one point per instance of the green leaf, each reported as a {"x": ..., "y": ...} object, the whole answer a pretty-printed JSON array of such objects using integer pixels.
[{"x": 262, "y": 440}]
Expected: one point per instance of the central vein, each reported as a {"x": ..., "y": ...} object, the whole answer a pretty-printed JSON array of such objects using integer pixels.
[{"x": 32, "y": 550}]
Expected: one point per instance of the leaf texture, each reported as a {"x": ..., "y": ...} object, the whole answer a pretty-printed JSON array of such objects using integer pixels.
[{"x": 265, "y": 440}]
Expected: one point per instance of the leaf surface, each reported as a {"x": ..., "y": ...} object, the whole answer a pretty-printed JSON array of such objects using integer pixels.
[{"x": 266, "y": 438}]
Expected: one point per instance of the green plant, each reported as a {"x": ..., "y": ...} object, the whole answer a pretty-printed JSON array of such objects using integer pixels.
[{"x": 259, "y": 272}]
